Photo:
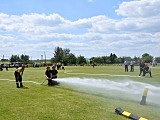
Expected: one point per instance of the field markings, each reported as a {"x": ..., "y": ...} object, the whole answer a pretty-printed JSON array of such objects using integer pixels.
[
  {"x": 23, "y": 81},
  {"x": 70, "y": 72}
]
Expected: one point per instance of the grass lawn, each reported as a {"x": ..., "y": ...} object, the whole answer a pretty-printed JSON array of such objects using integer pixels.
[{"x": 85, "y": 93}]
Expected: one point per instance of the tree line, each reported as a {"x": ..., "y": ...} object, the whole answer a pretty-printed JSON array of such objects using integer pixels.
[
  {"x": 64, "y": 56},
  {"x": 67, "y": 58}
]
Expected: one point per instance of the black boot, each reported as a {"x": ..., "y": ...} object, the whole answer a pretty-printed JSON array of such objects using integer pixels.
[
  {"x": 17, "y": 85},
  {"x": 21, "y": 85}
]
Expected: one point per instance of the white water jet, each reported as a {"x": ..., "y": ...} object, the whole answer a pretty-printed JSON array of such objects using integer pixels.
[{"x": 125, "y": 90}]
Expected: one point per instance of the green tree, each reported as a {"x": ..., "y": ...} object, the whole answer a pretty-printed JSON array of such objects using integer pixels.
[
  {"x": 58, "y": 54},
  {"x": 64, "y": 56},
  {"x": 136, "y": 59},
  {"x": 72, "y": 58},
  {"x": 98, "y": 60},
  {"x": 147, "y": 58},
  {"x": 15, "y": 58},
  {"x": 66, "y": 52},
  {"x": 69, "y": 59},
  {"x": 127, "y": 58},
  {"x": 81, "y": 60},
  {"x": 157, "y": 59},
  {"x": 24, "y": 58},
  {"x": 113, "y": 58}
]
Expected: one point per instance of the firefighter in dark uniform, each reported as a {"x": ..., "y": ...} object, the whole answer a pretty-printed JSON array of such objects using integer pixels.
[
  {"x": 147, "y": 70},
  {"x": 18, "y": 76},
  {"x": 54, "y": 73},
  {"x": 141, "y": 66},
  {"x": 48, "y": 75}
]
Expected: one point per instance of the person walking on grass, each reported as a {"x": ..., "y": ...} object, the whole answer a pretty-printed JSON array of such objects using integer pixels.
[{"x": 18, "y": 76}]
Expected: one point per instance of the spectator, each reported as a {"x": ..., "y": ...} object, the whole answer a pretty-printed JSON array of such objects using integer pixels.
[
  {"x": 126, "y": 66},
  {"x": 132, "y": 66}
]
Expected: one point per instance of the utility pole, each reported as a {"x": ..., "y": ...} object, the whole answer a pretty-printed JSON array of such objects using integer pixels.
[
  {"x": 45, "y": 57},
  {"x": 41, "y": 59}
]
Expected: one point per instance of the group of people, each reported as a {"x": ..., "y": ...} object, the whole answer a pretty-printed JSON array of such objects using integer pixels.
[
  {"x": 143, "y": 67},
  {"x": 50, "y": 75},
  {"x": 126, "y": 64},
  {"x": 3, "y": 66}
]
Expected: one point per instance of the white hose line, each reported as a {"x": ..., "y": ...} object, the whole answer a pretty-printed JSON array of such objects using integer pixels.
[{"x": 23, "y": 81}]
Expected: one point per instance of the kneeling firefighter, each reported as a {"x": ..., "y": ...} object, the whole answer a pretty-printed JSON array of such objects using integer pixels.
[
  {"x": 50, "y": 75},
  {"x": 54, "y": 73}
]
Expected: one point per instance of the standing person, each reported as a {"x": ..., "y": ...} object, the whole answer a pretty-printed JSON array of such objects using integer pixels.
[
  {"x": 48, "y": 75},
  {"x": 54, "y": 73},
  {"x": 6, "y": 67},
  {"x": 146, "y": 70},
  {"x": 126, "y": 66},
  {"x": 18, "y": 76},
  {"x": 1, "y": 68},
  {"x": 63, "y": 66},
  {"x": 141, "y": 67},
  {"x": 132, "y": 66}
]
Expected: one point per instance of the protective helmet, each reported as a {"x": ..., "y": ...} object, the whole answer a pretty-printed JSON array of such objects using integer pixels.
[
  {"x": 53, "y": 66},
  {"x": 47, "y": 67}
]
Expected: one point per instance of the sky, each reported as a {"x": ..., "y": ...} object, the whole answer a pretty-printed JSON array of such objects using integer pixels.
[{"x": 90, "y": 28}]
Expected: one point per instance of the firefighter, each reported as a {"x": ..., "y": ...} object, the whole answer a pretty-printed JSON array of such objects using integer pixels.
[
  {"x": 147, "y": 70},
  {"x": 141, "y": 66},
  {"x": 18, "y": 76},
  {"x": 54, "y": 73},
  {"x": 48, "y": 75}
]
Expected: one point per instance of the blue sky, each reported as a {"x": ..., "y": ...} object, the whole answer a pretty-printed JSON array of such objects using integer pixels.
[
  {"x": 68, "y": 9},
  {"x": 89, "y": 28}
]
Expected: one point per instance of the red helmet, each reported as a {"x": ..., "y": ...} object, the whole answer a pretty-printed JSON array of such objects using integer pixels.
[
  {"x": 47, "y": 67},
  {"x": 53, "y": 66}
]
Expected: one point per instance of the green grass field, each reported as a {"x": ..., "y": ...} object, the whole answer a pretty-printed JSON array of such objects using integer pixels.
[{"x": 71, "y": 101}]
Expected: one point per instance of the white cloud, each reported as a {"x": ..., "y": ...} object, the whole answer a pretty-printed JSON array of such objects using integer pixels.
[
  {"x": 133, "y": 35},
  {"x": 139, "y": 8}
]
